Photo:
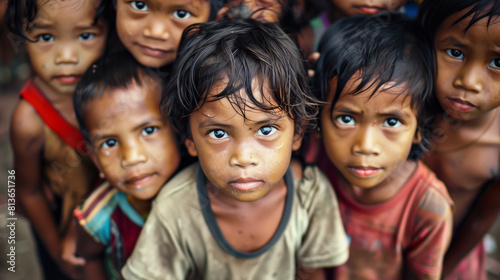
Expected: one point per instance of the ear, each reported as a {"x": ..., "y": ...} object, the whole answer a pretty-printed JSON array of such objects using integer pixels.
[
  {"x": 297, "y": 141},
  {"x": 191, "y": 147},
  {"x": 418, "y": 136},
  {"x": 97, "y": 164}
]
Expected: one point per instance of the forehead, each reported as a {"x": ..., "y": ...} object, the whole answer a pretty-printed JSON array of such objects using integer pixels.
[
  {"x": 242, "y": 102},
  {"x": 450, "y": 23},
  {"x": 50, "y": 9},
  {"x": 121, "y": 102}
]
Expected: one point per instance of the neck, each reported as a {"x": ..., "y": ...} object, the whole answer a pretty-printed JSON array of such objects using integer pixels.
[
  {"x": 141, "y": 206},
  {"x": 476, "y": 123}
]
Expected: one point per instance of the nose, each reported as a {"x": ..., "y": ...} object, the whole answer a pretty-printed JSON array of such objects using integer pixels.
[
  {"x": 66, "y": 54},
  {"x": 133, "y": 153},
  {"x": 243, "y": 155},
  {"x": 365, "y": 141},
  {"x": 469, "y": 78},
  {"x": 157, "y": 29}
]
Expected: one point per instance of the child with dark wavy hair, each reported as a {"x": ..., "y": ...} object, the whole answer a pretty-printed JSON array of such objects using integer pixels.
[
  {"x": 465, "y": 37},
  {"x": 62, "y": 39},
  {"x": 374, "y": 75},
  {"x": 247, "y": 209}
]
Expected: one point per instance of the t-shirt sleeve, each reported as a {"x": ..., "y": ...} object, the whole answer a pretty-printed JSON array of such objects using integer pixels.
[
  {"x": 431, "y": 235},
  {"x": 158, "y": 253},
  {"x": 324, "y": 242}
]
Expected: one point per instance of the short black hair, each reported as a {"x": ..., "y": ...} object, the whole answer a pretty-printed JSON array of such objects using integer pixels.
[
  {"x": 21, "y": 13},
  {"x": 241, "y": 51},
  {"x": 116, "y": 71},
  {"x": 384, "y": 48},
  {"x": 432, "y": 13}
]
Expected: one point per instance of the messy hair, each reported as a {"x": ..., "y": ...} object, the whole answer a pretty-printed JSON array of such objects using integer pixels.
[
  {"x": 116, "y": 71},
  {"x": 238, "y": 54},
  {"x": 20, "y": 14},
  {"x": 433, "y": 13},
  {"x": 383, "y": 48}
]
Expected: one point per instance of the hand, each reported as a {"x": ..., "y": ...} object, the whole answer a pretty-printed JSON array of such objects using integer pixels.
[{"x": 71, "y": 265}]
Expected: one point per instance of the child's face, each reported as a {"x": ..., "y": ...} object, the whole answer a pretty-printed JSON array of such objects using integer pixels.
[
  {"x": 151, "y": 29},
  {"x": 67, "y": 42},
  {"x": 468, "y": 67},
  {"x": 346, "y": 8},
  {"x": 369, "y": 138},
  {"x": 242, "y": 157},
  {"x": 267, "y": 10},
  {"x": 132, "y": 145}
]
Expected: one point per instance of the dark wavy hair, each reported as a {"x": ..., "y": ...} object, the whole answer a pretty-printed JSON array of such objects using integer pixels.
[
  {"x": 115, "y": 71},
  {"x": 240, "y": 52},
  {"x": 433, "y": 13},
  {"x": 384, "y": 48},
  {"x": 21, "y": 13}
]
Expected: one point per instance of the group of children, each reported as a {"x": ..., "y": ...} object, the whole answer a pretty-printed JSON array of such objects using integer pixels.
[{"x": 198, "y": 156}]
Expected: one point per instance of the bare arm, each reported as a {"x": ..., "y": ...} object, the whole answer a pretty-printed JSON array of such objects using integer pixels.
[
  {"x": 27, "y": 139},
  {"x": 93, "y": 253},
  {"x": 475, "y": 227},
  {"x": 310, "y": 274}
]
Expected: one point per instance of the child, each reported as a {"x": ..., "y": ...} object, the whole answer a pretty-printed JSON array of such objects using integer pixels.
[
  {"x": 246, "y": 210},
  {"x": 373, "y": 74},
  {"x": 465, "y": 36},
  {"x": 117, "y": 104},
  {"x": 62, "y": 39},
  {"x": 151, "y": 29}
]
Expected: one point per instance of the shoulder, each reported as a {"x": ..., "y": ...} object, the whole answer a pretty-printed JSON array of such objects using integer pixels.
[
  {"x": 178, "y": 193},
  {"x": 95, "y": 211},
  {"x": 435, "y": 201},
  {"x": 314, "y": 187},
  {"x": 26, "y": 127}
]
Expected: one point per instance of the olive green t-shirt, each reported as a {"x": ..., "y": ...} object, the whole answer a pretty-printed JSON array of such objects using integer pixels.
[{"x": 181, "y": 238}]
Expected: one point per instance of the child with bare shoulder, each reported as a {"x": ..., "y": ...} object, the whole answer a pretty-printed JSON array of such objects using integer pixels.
[
  {"x": 247, "y": 209},
  {"x": 117, "y": 104},
  {"x": 465, "y": 154},
  {"x": 62, "y": 39},
  {"x": 374, "y": 75}
]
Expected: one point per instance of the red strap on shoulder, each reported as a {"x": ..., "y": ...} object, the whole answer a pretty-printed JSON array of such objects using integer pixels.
[{"x": 52, "y": 118}]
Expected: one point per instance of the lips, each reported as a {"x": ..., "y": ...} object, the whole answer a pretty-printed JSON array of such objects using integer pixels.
[
  {"x": 461, "y": 105},
  {"x": 245, "y": 184},
  {"x": 364, "y": 172},
  {"x": 151, "y": 51},
  {"x": 68, "y": 79},
  {"x": 139, "y": 180},
  {"x": 369, "y": 10}
]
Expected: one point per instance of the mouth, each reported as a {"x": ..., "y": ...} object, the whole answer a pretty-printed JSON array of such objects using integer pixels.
[
  {"x": 246, "y": 184},
  {"x": 369, "y": 10},
  {"x": 364, "y": 172},
  {"x": 68, "y": 79},
  {"x": 154, "y": 51},
  {"x": 461, "y": 105},
  {"x": 140, "y": 180}
]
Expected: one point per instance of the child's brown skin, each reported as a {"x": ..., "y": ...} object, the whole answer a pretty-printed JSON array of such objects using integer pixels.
[
  {"x": 467, "y": 155},
  {"x": 61, "y": 49}
]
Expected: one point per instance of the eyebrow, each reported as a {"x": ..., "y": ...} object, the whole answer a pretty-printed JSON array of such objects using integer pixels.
[
  {"x": 137, "y": 127},
  {"x": 211, "y": 122},
  {"x": 395, "y": 113},
  {"x": 453, "y": 41}
]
